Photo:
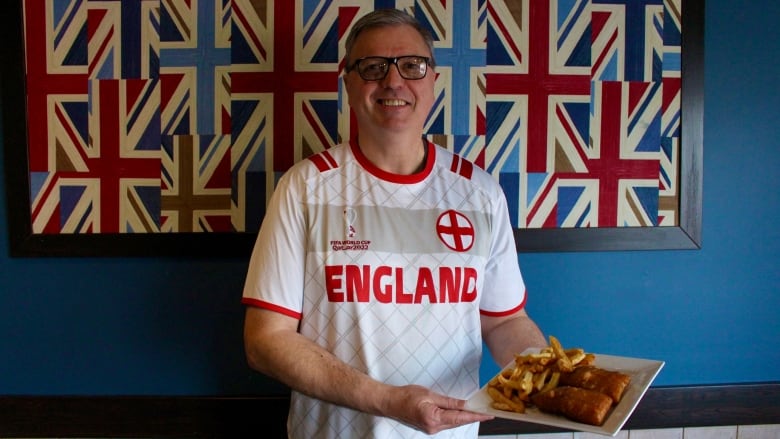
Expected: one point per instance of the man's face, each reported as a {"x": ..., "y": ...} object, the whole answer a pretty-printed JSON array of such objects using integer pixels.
[{"x": 392, "y": 103}]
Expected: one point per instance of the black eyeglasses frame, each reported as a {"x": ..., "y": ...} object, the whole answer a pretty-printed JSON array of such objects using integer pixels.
[{"x": 389, "y": 60}]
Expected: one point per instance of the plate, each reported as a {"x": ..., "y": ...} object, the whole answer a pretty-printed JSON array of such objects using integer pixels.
[{"x": 642, "y": 373}]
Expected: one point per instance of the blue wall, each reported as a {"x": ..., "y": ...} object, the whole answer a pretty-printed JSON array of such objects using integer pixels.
[{"x": 173, "y": 326}]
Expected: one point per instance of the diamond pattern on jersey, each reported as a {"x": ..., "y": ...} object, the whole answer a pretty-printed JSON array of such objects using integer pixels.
[{"x": 347, "y": 186}]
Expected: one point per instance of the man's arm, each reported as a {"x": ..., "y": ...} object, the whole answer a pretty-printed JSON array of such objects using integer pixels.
[
  {"x": 275, "y": 348},
  {"x": 509, "y": 335}
]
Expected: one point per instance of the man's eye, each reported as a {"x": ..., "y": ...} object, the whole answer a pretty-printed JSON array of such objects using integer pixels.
[{"x": 377, "y": 66}]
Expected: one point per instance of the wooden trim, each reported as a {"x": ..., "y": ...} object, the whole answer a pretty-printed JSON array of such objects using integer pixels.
[
  {"x": 227, "y": 416},
  {"x": 142, "y": 416}
]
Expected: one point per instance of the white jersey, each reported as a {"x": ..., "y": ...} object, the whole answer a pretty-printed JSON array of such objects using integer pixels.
[{"x": 388, "y": 272}]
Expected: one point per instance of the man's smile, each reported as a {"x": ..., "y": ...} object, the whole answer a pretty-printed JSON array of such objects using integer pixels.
[{"x": 392, "y": 102}]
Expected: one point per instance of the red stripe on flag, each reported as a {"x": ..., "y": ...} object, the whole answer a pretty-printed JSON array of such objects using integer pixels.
[{"x": 284, "y": 82}]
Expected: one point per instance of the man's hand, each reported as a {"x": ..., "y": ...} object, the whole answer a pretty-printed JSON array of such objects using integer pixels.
[{"x": 428, "y": 411}]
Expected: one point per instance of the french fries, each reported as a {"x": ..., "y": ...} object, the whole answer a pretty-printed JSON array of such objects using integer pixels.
[{"x": 511, "y": 390}]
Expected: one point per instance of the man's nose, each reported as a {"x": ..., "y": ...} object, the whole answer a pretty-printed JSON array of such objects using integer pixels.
[{"x": 393, "y": 77}]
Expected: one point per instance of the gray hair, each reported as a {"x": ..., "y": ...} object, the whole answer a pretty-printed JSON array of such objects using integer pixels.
[{"x": 388, "y": 17}]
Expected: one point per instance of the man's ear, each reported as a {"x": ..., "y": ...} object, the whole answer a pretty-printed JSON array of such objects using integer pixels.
[{"x": 344, "y": 77}]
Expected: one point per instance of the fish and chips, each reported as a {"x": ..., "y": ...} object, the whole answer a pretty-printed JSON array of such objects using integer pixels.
[{"x": 558, "y": 381}]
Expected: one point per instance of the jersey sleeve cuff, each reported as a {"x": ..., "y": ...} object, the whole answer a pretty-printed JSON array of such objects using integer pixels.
[
  {"x": 271, "y": 307},
  {"x": 507, "y": 312}
]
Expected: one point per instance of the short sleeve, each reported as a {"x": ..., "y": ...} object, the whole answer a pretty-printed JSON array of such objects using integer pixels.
[
  {"x": 276, "y": 267},
  {"x": 504, "y": 290}
]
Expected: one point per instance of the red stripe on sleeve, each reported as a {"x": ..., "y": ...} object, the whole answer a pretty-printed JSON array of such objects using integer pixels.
[
  {"x": 329, "y": 158},
  {"x": 324, "y": 161},
  {"x": 271, "y": 307},
  {"x": 462, "y": 166},
  {"x": 319, "y": 162},
  {"x": 455, "y": 160},
  {"x": 504, "y": 313},
  {"x": 466, "y": 168}
]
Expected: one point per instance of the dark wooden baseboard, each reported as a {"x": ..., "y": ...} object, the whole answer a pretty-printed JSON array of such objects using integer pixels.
[
  {"x": 228, "y": 416},
  {"x": 689, "y": 406}
]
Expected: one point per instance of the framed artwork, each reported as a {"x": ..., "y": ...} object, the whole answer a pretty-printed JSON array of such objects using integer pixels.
[{"x": 150, "y": 128}]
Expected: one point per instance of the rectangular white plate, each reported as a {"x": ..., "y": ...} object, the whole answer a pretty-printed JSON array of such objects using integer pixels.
[{"x": 642, "y": 373}]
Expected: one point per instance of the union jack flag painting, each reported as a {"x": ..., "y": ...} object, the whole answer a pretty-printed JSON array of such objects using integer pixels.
[{"x": 157, "y": 116}]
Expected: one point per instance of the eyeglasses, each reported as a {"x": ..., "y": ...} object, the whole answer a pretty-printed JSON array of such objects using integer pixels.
[{"x": 375, "y": 68}]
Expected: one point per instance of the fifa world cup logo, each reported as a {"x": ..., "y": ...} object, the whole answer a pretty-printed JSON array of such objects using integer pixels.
[{"x": 349, "y": 219}]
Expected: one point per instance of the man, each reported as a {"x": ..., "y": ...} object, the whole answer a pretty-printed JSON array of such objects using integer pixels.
[{"x": 383, "y": 263}]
